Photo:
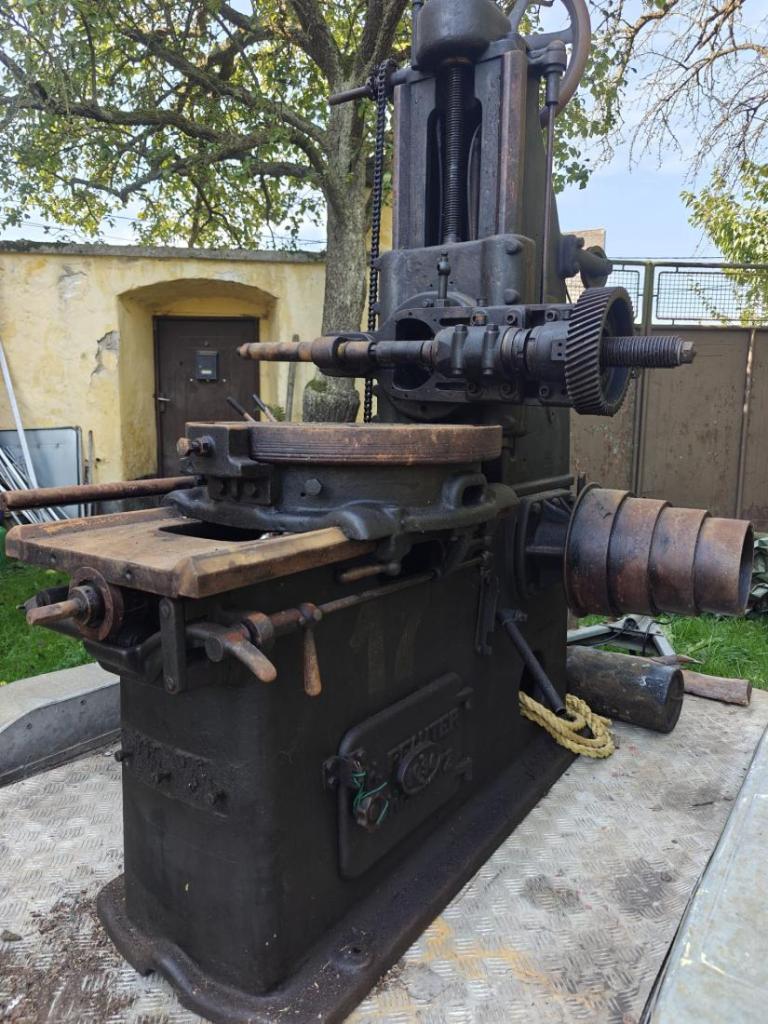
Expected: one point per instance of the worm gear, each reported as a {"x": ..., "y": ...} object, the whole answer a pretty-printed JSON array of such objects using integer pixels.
[{"x": 593, "y": 388}]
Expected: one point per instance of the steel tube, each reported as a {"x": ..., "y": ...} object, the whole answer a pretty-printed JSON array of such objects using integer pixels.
[
  {"x": 531, "y": 662},
  {"x": 634, "y": 690},
  {"x": 42, "y": 497},
  {"x": 278, "y": 351}
]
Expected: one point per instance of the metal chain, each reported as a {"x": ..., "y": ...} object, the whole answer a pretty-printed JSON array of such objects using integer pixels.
[{"x": 379, "y": 88}]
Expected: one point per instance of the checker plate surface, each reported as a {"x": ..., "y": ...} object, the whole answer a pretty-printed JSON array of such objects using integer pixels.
[{"x": 568, "y": 922}]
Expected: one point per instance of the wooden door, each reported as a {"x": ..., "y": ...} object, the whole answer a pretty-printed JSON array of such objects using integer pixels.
[{"x": 197, "y": 367}]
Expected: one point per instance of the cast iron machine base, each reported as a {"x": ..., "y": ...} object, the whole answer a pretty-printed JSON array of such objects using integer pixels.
[{"x": 338, "y": 973}]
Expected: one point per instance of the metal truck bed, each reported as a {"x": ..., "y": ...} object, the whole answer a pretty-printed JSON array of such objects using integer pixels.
[{"x": 569, "y": 921}]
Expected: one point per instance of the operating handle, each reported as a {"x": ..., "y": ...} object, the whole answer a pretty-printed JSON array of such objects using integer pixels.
[
  {"x": 234, "y": 641},
  {"x": 578, "y": 33}
]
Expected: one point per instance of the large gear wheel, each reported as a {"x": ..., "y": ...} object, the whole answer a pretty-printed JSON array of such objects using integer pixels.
[{"x": 596, "y": 390}]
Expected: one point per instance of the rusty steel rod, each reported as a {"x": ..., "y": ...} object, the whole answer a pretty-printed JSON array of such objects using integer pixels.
[{"x": 42, "y": 497}]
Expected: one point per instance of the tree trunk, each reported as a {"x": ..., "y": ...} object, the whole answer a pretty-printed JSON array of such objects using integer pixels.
[{"x": 335, "y": 399}]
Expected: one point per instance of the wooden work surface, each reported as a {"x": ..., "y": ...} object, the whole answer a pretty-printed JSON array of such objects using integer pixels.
[{"x": 144, "y": 551}]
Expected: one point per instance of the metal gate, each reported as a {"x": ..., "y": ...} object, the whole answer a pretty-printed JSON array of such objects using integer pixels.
[{"x": 699, "y": 436}]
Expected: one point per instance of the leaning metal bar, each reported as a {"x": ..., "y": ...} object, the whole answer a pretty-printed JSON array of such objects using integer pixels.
[
  {"x": 744, "y": 432},
  {"x": 641, "y": 390},
  {"x": 531, "y": 662},
  {"x": 17, "y": 416},
  {"x": 41, "y": 497}
]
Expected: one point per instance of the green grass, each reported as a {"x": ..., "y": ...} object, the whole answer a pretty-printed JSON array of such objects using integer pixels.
[
  {"x": 25, "y": 651},
  {"x": 725, "y": 647}
]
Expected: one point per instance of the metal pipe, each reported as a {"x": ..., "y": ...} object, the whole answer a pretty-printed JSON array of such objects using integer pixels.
[
  {"x": 635, "y": 690},
  {"x": 41, "y": 497},
  {"x": 641, "y": 390},
  {"x": 17, "y": 416},
  {"x": 240, "y": 409},
  {"x": 360, "y": 92},
  {"x": 278, "y": 351},
  {"x": 548, "y": 200},
  {"x": 507, "y": 619},
  {"x": 744, "y": 433}
]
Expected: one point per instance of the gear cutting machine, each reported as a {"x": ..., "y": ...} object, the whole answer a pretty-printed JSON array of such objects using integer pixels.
[{"x": 322, "y": 642}]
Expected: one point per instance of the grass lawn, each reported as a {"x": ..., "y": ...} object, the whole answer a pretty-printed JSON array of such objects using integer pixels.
[
  {"x": 25, "y": 651},
  {"x": 725, "y": 647}
]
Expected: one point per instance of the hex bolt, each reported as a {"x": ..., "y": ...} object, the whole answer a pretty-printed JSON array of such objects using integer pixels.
[
  {"x": 312, "y": 487},
  {"x": 194, "y": 446}
]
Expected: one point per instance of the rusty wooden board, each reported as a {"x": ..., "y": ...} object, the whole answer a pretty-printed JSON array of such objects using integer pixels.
[
  {"x": 164, "y": 553},
  {"x": 367, "y": 443}
]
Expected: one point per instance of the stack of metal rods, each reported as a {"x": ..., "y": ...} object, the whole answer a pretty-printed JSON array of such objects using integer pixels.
[{"x": 12, "y": 478}]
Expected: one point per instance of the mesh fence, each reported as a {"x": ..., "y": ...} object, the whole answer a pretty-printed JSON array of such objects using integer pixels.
[
  {"x": 711, "y": 296},
  {"x": 629, "y": 278},
  {"x": 693, "y": 296}
]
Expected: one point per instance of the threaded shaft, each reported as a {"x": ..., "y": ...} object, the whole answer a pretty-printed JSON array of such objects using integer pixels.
[
  {"x": 454, "y": 151},
  {"x": 651, "y": 352}
]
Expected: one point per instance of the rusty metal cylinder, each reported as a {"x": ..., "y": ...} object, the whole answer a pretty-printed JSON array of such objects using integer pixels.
[
  {"x": 628, "y": 555},
  {"x": 620, "y": 686}
]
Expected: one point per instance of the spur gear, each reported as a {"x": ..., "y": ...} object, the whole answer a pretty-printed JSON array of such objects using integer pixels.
[{"x": 593, "y": 388}]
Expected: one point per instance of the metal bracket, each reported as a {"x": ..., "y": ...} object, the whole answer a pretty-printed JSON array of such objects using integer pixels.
[{"x": 634, "y": 633}]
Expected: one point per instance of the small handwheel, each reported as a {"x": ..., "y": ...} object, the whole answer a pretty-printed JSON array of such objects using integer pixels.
[{"x": 577, "y": 33}]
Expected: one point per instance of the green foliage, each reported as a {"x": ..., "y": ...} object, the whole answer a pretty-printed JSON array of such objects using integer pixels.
[
  {"x": 26, "y": 651},
  {"x": 735, "y": 215},
  {"x": 278, "y": 412},
  {"x": 726, "y": 647},
  {"x": 209, "y": 118},
  {"x": 164, "y": 104}
]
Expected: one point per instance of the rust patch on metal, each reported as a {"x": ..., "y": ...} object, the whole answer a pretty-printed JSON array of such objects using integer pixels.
[
  {"x": 142, "y": 551},
  {"x": 629, "y": 555},
  {"x": 45, "y": 497},
  {"x": 369, "y": 443}
]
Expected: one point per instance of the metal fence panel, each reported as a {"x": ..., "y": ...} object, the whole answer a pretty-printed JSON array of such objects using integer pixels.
[
  {"x": 696, "y": 436},
  {"x": 754, "y": 500},
  {"x": 692, "y": 424}
]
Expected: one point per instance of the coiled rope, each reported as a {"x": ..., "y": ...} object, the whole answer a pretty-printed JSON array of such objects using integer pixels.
[{"x": 566, "y": 731}]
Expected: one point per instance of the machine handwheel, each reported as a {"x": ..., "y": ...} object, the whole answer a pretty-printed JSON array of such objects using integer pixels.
[{"x": 578, "y": 34}]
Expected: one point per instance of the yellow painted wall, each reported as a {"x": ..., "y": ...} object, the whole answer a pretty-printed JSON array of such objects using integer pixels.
[{"x": 77, "y": 328}]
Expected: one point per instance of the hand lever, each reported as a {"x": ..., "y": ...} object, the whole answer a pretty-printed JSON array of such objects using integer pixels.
[{"x": 233, "y": 640}]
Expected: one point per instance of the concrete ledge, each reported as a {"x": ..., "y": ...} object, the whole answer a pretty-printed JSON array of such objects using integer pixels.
[
  {"x": 48, "y": 719},
  {"x": 716, "y": 969}
]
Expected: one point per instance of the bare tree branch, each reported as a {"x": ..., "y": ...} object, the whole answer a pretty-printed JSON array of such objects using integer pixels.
[{"x": 315, "y": 38}]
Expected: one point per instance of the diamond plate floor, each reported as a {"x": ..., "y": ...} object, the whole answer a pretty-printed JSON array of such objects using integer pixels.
[{"x": 568, "y": 922}]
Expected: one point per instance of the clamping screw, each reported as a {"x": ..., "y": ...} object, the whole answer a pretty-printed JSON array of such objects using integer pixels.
[{"x": 194, "y": 446}]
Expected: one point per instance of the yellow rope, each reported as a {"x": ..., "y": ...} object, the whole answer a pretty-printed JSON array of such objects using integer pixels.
[{"x": 565, "y": 731}]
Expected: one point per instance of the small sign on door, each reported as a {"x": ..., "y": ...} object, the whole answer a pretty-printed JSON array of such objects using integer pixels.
[{"x": 206, "y": 365}]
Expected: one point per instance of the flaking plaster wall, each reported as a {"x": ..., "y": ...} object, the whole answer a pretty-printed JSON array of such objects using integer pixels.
[{"x": 77, "y": 325}]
